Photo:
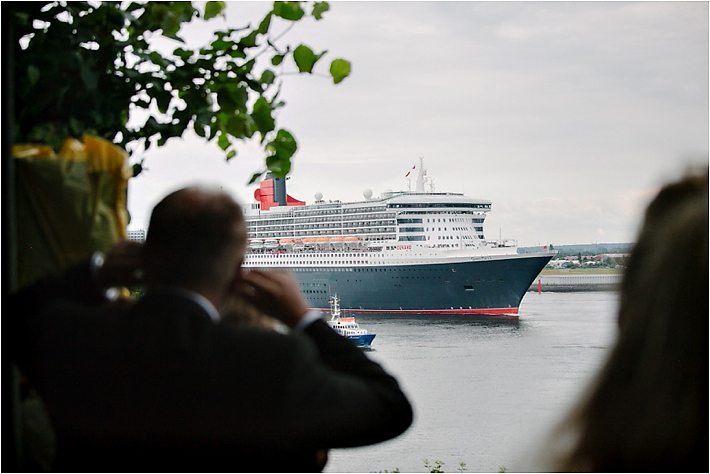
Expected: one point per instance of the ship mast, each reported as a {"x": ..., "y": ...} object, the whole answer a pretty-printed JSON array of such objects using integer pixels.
[{"x": 421, "y": 175}]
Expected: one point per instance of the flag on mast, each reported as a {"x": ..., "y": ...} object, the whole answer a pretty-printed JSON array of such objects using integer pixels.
[{"x": 408, "y": 172}]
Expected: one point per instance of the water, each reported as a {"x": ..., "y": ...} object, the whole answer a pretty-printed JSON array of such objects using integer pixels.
[{"x": 485, "y": 392}]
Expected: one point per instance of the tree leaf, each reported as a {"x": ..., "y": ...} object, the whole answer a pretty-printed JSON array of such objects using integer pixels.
[
  {"x": 256, "y": 176},
  {"x": 278, "y": 166},
  {"x": 305, "y": 58},
  {"x": 170, "y": 26},
  {"x": 283, "y": 145},
  {"x": 200, "y": 130},
  {"x": 221, "y": 44},
  {"x": 248, "y": 41},
  {"x": 182, "y": 53},
  {"x": 339, "y": 69},
  {"x": 231, "y": 154},
  {"x": 213, "y": 9},
  {"x": 262, "y": 116},
  {"x": 319, "y": 8},
  {"x": 288, "y": 10},
  {"x": 223, "y": 141},
  {"x": 240, "y": 125},
  {"x": 267, "y": 77},
  {"x": 277, "y": 59},
  {"x": 265, "y": 24}
]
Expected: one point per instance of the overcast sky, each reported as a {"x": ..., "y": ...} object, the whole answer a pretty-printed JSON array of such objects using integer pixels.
[{"x": 567, "y": 116}]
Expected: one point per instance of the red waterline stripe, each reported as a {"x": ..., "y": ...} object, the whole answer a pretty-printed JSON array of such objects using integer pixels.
[{"x": 489, "y": 311}]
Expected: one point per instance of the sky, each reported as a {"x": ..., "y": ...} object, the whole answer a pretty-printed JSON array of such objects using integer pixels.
[{"x": 567, "y": 116}]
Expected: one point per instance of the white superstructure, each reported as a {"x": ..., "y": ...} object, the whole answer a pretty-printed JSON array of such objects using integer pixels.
[{"x": 396, "y": 228}]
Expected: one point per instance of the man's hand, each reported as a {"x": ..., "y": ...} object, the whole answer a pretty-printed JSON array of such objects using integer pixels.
[
  {"x": 275, "y": 293},
  {"x": 122, "y": 265}
]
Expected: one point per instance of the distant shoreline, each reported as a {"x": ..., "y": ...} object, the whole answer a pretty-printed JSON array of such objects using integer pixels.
[
  {"x": 581, "y": 271},
  {"x": 577, "y": 279}
]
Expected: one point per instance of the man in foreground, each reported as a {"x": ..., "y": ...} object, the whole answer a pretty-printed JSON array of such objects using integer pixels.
[{"x": 162, "y": 385}]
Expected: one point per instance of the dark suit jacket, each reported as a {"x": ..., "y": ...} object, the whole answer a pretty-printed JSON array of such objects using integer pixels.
[{"x": 157, "y": 385}]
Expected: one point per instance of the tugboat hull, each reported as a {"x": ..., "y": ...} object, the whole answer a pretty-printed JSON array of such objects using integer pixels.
[{"x": 364, "y": 340}]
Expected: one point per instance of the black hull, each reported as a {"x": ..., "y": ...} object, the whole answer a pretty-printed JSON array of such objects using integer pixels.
[{"x": 482, "y": 287}]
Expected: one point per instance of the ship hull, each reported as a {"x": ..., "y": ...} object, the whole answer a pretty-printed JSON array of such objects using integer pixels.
[{"x": 491, "y": 287}]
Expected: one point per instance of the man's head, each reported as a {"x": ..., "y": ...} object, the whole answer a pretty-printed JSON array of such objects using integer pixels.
[{"x": 196, "y": 240}]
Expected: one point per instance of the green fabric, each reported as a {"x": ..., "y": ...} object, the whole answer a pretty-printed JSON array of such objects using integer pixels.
[{"x": 64, "y": 214}]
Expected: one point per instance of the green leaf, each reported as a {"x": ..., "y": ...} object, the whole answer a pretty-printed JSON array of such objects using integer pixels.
[
  {"x": 225, "y": 98},
  {"x": 182, "y": 53},
  {"x": 239, "y": 125},
  {"x": 231, "y": 154},
  {"x": 32, "y": 74},
  {"x": 283, "y": 146},
  {"x": 262, "y": 116},
  {"x": 267, "y": 77},
  {"x": 278, "y": 166},
  {"x": 277, "y": 59},
  {"x": 256, "y": 176},
  {"x": 213, "y": 9},
  {"x": 237, "y": 53},
  {"x": 305, "y": 58},
  {"x": 339, "y": 69},
  {"x": 319, "y": 8},
  {"x": 265, "y": 24},
  {"x": 223, "y": 141},
  {"x": 238, "y": 94},
  {"x": 248, "y": 41},
  {"x": 288, "y": 10},
  {"x": 170, "y": 26},
  {"x": 222, "y": 45}
]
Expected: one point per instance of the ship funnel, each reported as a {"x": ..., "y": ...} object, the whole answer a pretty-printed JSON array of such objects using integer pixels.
[
  {"x": 272, "y": 193},
  {"x": 279, "y": 189}
]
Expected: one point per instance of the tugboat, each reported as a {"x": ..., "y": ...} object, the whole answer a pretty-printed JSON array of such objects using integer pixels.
[{"x": 347, "y": 327}]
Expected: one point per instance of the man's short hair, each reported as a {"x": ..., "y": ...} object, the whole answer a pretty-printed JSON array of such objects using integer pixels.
[{"x": 193, "y": 239}]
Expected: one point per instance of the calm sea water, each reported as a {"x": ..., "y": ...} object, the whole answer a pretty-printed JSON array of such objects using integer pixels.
[{"x": 486, "y": 392}]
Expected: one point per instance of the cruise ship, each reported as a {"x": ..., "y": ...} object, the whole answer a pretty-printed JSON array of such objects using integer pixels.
[{"x": 404, "y": 252}]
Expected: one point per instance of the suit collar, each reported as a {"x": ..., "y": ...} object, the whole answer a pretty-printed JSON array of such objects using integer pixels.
[{"x": 175, "y": 292}]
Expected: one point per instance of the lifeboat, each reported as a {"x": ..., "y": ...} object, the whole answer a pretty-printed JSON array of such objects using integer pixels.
[
  {"x": 287, "y": 241},
  {"x": 256, "y": 244},
  {"x": 310, "y": 241},
  {"x": 271, "y": 243}
]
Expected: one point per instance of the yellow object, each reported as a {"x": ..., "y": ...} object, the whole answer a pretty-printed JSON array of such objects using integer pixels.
[{"x": 68, "y": 204}]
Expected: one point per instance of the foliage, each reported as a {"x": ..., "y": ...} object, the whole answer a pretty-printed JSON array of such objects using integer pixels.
[
  {"x": 85, "y": 67},
  {"x": 436, "y": 466},
  {"x": 502, "y": 469}
]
